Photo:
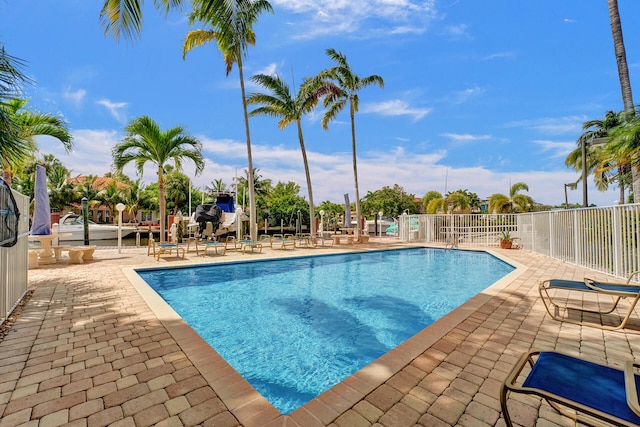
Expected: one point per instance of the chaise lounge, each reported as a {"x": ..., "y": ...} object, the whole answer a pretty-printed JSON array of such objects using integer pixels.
[
  {"x": 578, "y": 388},
  {"x": 556, "y": 293}
]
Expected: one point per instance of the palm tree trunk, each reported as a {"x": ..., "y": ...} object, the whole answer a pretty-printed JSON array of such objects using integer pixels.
[
  {"x": 253, "y": 225},
  {"x": 623, "y": 76},
  {"x": 312, "y": 213},
  {"x": 355, "y": 168},
  {"x": 162, "y": 204}
]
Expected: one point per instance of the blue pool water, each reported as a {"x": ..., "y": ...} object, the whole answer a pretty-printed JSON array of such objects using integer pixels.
[{"x": 295, "y": 327}]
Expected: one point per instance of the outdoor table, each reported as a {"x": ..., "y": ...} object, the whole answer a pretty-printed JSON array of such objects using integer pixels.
[{"x": 46, "y": 255}]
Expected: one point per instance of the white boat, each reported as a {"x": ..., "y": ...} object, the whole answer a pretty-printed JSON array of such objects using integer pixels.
[{"x": 72, "y": 224}]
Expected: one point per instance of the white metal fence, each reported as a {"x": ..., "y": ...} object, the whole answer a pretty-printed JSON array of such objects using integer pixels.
[
  {"x": 14, "y": 263},
  {"x": 602, "y": 239}
]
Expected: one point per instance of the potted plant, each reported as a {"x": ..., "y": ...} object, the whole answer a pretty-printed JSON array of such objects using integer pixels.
[{"x": 506, "y": 240}]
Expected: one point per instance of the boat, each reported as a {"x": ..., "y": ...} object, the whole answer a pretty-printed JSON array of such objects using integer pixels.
[
  {"x": 220, "y": 218},
  {"x": 73, "y": 225}
]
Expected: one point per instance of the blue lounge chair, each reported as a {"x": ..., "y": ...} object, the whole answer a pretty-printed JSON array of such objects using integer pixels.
[
  {"x": 594, "y": 391},
  {"x": 555, "y": 295}
]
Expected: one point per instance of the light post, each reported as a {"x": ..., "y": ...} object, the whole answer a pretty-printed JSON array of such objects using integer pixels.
[
  {"x": 238, "y": 221},
  {"x": 298, "y": 224},
  {"x": 404, "y": 224},
  {"x": 321, "y": 222},
  {"x": 380, "y": 222},
  {"x": 85, "y": 219},
  {"x": 120, "y": 207}
]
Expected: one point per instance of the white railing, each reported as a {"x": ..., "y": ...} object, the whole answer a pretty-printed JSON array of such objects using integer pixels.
[
  {"x": 602, "y": 239},
  {"x": 14, "y": 263}
]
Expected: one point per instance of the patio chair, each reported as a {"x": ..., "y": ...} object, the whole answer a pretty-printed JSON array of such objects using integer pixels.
[
  {"x": 578, "y": 388},
  {"x": 164, "y": 248},
  {"x": 555, "y": 295}
]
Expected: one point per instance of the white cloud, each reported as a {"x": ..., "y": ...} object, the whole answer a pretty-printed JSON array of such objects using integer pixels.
[
  {"x": 395, "y": 107},
  {"x": 557, "y": 149},
  {"x": 75, "y": 97},
  {"x": 115, "y": 109},
  {"x": 462, "y": 138},
  {"x": 332, "y": 17},
  {"x": 463, "y": 96},
  {"x": 552, "y": 126},
  {"x": 458, "y": 31}
]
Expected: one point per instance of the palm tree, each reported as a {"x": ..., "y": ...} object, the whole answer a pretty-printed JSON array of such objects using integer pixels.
[
  {"x": 348, "y": 84},
  {"x": 623, "y": 76},
  {"x": 624, "y": 145},
  {"x": 112, "y": 194},
  {"x": 86, "y": 187},
  {"x": 514, "y": 202},
  {"x": 146, "y": 142},
  {"x": 596, "y": 160},
  {"x": 13, "y": 149},
  {"x": 231, "y": 27},
  {"x": 457, "y": 201},
  {"x": 217, "y": 186},
  {"x": 289, "y": 109},
  {"x": 124, "y": 17},
  {"x": 28, "y": 125}
]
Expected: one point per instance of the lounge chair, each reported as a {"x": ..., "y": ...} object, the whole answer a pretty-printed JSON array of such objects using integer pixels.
[
  {"x": 231, "y": 244},
  {"x": 208, "y": 244},
  {"x": 250, "y": 244},
  {"x": 278, "y": 241},
  {"x": 578, "y": 388},
  {"x": 164, "y": 248},
  {"x": 552, "y": 290}
]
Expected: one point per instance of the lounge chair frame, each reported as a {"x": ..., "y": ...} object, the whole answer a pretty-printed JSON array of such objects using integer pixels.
[
  {"x": 573, "y": 409},
  {"x": 549, "y": 289}
]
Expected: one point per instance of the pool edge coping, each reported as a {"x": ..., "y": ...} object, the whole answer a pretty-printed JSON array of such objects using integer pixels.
[{"x": 252, "y": 409}]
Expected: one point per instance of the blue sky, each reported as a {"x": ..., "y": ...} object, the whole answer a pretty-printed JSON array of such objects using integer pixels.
[{"x": 478, "y": 94}]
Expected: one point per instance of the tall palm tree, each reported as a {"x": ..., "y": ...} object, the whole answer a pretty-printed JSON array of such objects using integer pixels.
[
  {"x": 280, "y": 103},
  {"x": 29, "y": 124},
  {"x": 512, "y": 203},
  {"x": 146, "y": 142},
  {"x": 348, "y": 84},
  {"x": 124, "y": 17},
  {"x": 230, "y": 25},
  {"x": 623, "y": 76}
]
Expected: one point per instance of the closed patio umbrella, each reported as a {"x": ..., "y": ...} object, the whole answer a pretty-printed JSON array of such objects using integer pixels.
[{"x": 41, "y": 211}]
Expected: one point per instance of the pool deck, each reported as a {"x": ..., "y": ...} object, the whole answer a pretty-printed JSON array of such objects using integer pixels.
[{"x": 93, "y": 347}]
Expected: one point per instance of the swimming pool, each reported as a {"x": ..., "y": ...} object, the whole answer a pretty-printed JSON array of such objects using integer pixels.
[{"x": 293, "y": 328}]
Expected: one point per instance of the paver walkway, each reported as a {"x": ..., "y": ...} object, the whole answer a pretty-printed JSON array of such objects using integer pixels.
[{"x": 90, "y": 350}]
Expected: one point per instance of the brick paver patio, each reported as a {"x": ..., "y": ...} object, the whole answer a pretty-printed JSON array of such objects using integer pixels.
[{"x": 93, "y": 348}]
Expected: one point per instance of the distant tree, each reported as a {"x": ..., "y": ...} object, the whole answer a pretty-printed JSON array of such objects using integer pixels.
[
  {"x": 112, "y": 194},
  {"x": 284, "y": 202},
  {"x": 86, "y": 187},
  {"x": 391, "y": 201},
  {"x": 459, "y": 201},
  {"x": 146, "y": 142},
  {"x": 598, "y": 161},
  {"x": 177, "y": 192},
  {"x": 349, "y": 84},
  {"x": 217, "y": 186},
  {"x": 428, "y": 197},
  {"x": 514, "y": 202},
  {"x": 624, "y": 144}
]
